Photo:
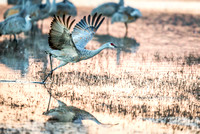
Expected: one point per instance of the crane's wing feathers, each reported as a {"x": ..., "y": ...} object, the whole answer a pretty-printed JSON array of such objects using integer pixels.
[
  {"x": 59, "y": 35},
  {"x": 84, "y": 31}
]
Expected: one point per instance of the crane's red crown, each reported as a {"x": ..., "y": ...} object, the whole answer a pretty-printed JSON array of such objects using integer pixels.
[{"x": 112, "y": 44}]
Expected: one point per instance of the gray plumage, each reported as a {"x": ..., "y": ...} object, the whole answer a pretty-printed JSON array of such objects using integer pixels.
[
  {"x": 20, "y": 2},
  {"x": 126, "y": 15},
  {"x": 64, "y": 113},
  {"x": 108, "y": 9},
  {"x": 16, "y": 24},
  {"x": 11, "y": 11},
  {"x": 66, "y": 7},
  {"x": 53, "y": 8},
  {"x": 70, "y": 47},
  {"x": 20, "y": 5},
  {"x": 40, "y": 11}
]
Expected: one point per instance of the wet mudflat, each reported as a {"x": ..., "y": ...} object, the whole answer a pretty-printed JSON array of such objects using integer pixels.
[{"x": 151, "y": 84}]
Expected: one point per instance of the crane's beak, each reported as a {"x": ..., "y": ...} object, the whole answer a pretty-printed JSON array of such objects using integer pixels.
[{"x": 112, "y": 44}]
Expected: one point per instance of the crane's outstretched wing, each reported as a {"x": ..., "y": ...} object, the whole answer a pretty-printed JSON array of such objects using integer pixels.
[
  {"x": 60, "y": 36},
  {"x": 84, "y": 30}
]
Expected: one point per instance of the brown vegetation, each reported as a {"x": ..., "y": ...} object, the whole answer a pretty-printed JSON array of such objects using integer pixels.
[{"x": 161, "y": 80}]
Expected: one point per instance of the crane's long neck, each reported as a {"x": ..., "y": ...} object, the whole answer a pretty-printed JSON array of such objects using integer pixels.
[
  {"x": 28, "y": 23},
  {"x": 53, "y": 7},
  {"x": 48, "y": 2},
  {"x": 121, "y": 2},
  {"x": 95, "y": 52}
]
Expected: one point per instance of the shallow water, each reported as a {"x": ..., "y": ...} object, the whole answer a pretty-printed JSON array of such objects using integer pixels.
[
  {"x": 145, "y": 86},
  {"x": 26, "y": 62}
]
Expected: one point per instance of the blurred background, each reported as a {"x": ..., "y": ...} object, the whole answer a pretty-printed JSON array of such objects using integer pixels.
[{"x": 184, "y": 6}]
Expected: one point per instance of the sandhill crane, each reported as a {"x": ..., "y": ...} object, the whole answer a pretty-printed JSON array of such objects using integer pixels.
[
  {"x": 70, "y": 47},
  {"x": 108, "y": 9},
  {"x": 64, "y": 113},
  {"x": 17, "y": 8},
  {"x": 126, "y": 15},
  {"x": 66, "y": 7},
  {"x": 41, "y": 11},
  {"x": 11, "y": 11},
  {"x": 53, "y": 8},
  {"x": 19, "y": 2},
  {"x": 16, "y": 24}
]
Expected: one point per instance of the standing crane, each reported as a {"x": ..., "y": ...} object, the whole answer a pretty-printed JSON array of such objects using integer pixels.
[
  {"x": 108, "y": 9},
  {"x": 11, "y": 11},
  {"x": 16, "y": 24},
  {"x": 20, "y": 5},
  {"x": 66, "y": 7},
  {"x": 42, "y": 11},
  {"x": 70, "y": 47},
  {"x": 126, "y": 15},
  {"x": 64, "y": 113}
]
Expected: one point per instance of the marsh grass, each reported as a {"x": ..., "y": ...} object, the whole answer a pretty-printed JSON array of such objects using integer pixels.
[
  {"x": 150, "y": 89},
  {"x": 161, "y": 80}
]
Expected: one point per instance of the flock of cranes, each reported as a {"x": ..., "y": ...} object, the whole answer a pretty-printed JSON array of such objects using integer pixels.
[
  {"x": 16, "y": 17},
  {"x": 20, "y": 18},
  {"x": 118, "y": 13},
  {"x": 67, "y": 46}
]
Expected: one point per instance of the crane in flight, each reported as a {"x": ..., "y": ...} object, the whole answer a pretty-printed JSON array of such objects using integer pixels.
[{"x": 70, "y": 47}]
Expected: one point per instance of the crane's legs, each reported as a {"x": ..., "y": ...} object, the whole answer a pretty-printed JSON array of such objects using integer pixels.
[
  {"x": 118, "y": 56},
  {"x": 10, "y": 37},
  {"x": 126, "y": 25},
  {"x": 107, "y": 26},
  {"x": 41, "y": 25},
  {"x": 15, "y": 38},
  {"x": 50, "y": 88},
  {"x": 50, "y": 73},
  {"x": 49, "y": 100}
]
